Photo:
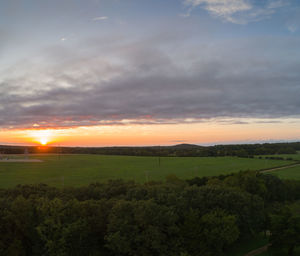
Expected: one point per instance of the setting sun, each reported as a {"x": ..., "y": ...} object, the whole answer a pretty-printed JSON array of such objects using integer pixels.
[
  {"x": 42, "y": 137},
  {"x": 44, "y": 141}
]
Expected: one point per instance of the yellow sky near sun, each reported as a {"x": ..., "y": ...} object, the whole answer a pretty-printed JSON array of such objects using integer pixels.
[{"x": 199, "y": 133}]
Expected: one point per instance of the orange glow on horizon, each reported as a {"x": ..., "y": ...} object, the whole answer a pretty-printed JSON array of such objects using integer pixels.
[{"x": 164, "y": 134}]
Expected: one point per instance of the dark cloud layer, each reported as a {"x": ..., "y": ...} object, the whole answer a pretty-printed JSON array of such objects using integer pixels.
[{"x": 149, "y": 81}]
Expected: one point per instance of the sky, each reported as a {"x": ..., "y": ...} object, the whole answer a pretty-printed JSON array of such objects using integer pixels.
[{"x": 140, "y": 72}]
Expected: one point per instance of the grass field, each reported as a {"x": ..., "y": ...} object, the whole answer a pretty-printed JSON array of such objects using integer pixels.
[
  {"x": 293, "y": 156},
  {"x": 289, "y": 173},
  {"x": 77, "y": 170}
]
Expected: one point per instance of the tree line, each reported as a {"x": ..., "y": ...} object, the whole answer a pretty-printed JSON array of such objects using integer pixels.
[
  {"x": 202, "y": 216},
  {"x": 182, "y": 150}
]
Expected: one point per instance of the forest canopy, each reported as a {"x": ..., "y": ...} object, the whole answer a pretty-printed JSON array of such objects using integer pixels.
[{"x": 200, "y": 216}]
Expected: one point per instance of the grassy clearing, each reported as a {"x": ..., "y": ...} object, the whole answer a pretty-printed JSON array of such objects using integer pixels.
[
  {"x": 292, "y": 173},
  {"x": 78, "y": 170}
]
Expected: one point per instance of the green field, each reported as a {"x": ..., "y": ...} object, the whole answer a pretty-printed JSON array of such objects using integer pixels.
[
  {"x": 288, "y": 173},
  {"x": 78, "y": 170},
  {"x": 293, "y": 156}
]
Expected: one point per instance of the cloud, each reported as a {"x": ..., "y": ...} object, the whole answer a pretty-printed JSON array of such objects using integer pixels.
[
  {"x": 123, "y": 82},
  {"x": 273, "y": 4},
  {"x": 178, "y": 141},
  {"x": 292, "y": 28},
  {"x": 237, "y": 11},
  {"x": 100, "y": 18},
  {"x": 221, "y": 7},
  {"x": 293, "y": 20}
]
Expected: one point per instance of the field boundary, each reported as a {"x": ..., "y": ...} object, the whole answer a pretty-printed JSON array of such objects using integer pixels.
[
  {"x": 21, "y": 161},
  {"x": 280, "y": 167}
]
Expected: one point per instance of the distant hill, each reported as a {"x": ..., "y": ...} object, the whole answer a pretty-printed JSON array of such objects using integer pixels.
[
  {"x": 183, "y": 146},
  {"x": 241, "y": 150}
]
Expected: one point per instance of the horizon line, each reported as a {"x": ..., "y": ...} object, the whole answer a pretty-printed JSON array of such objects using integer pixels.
[{"x": 157, "y": 145}]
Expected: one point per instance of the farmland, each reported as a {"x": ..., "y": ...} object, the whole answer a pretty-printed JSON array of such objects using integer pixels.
[
  {"x": 79, "y": 170},
  {"x": 288, "y": 173},
  {"x": 291, "y": 172},
  {"x": 292, "y": 156}
]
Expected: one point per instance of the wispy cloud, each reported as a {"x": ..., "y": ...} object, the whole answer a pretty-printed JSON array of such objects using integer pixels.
[
  {"x": 292, "y": 28},
  {"x": 237, "y": 11},
  {"x": 273, "y": 4},
  {"x": 100, "y": 18},
  {"x": 293, "y": 20},
  {"x": 178, "y": 141}
]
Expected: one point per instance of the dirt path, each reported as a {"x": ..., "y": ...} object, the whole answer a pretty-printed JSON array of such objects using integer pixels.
[
  {"x": 280, "y": 168},
  {"x": 20, "y": 161},
  {"x": 258, "y": 251}
]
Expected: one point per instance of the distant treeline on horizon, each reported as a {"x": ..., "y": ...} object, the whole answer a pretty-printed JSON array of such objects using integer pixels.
[{"x": 242, "y": 150}]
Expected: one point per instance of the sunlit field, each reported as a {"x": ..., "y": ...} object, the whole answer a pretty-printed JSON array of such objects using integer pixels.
[{"x": 78, "y": 170}]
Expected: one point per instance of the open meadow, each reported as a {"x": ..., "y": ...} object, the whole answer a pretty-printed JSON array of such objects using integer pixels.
[
  {"x": 78, "y": 170},
  {"x": 290, "y": 172}
]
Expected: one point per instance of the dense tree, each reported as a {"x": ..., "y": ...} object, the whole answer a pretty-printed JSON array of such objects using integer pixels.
[
  {"x": 275, "y": 188},
  {"x": 285, "y": 230},
  {"x": 17, "y": 227},
  {"x": 201, "y": 216},
  {"x": 142, "y": 228},
  {"x": 209, "y": 234}
]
